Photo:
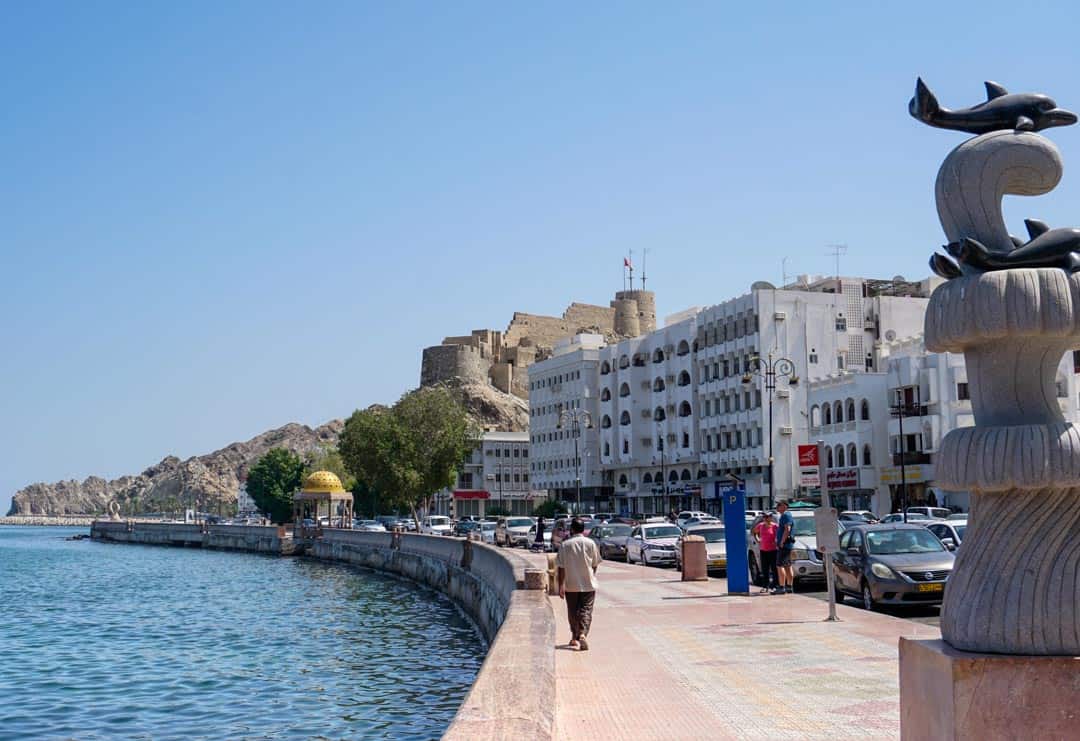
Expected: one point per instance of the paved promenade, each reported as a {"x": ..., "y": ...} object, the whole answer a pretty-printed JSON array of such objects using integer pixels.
[{"x": 673, "y": 660}]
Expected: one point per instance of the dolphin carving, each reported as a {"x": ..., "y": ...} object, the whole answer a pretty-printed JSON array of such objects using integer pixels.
[
  {"x": 1002, "y": 110},
  {"x": 1047, "y": 248}
]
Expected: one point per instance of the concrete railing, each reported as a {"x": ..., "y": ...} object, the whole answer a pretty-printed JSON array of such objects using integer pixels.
[{"x": 252, "y": 538}]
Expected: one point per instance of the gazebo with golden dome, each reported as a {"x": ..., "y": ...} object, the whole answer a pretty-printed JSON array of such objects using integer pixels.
[{"x": 320, "y": 487}]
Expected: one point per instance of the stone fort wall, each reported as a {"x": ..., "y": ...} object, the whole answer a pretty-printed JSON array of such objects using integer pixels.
[{"x": 443, "y": 362}]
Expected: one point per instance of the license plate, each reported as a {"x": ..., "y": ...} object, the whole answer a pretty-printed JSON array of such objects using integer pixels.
[
  {"x": 929, "y": 587},
  {"x": 716, "y": 562}
]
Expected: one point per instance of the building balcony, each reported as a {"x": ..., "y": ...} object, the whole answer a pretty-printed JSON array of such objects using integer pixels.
[{"x": 911, "y": 458}]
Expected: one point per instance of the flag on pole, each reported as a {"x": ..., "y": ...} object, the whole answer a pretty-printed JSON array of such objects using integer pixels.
[{"x": 627, "y": 264}]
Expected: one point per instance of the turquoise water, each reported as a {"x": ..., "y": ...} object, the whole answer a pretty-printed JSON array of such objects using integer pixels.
[{"x": 109, "y": 641}]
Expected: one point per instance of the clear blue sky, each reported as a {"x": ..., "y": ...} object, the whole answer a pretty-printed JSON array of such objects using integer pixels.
[{"x": 218, "y": 218}]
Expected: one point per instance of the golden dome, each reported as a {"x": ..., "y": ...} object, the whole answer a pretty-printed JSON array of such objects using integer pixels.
[{"x": 323, "y": 482}]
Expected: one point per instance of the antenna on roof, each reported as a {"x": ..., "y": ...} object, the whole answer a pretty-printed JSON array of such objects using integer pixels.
[
  {"x": 837, "y": 251},
  {"x": 644, "y": 257},
  {"x": 783, "y": 272}
]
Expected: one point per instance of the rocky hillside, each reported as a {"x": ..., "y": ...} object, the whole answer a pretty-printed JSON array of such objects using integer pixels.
[{"x": 173, "y": 484}]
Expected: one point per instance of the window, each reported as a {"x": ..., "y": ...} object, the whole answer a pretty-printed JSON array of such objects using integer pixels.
[
  {"x": 605, "y": 368},
  {"x": 605, "y": 394},
  {"x": 684, "y": 348},
  {"x": 658, "y": 384},
  {"x": 684, "y": 378},
  {"x": 852, "y": 455},
  {"x": 625, "y": 446},
  {"x": 622, "y": 480},
  {"x": 838, "y": 412},
  {"x": 607, "y": 449},
  {"x": 841, "y": 324},
  {"x": 605, "y": 422},
  {"x": 864, "y": 412},
  {"x": 498, "y": 452},
  {"x": 658, "y": 355},
  {"x": 686, "y": 439},
  {"x": 828, "y": 458},
  {"x": 658, "y": 414},
  {"x": 813, "y": 355},
  {"x": 866, "y": 458},
  {"x": 624, "y": 362},
  {"x": 708, "y": 407},
  {"x": 850, "y": 410},
  {"x": 1076, "y": 361},
  {"x": 685, "y": 475},
  {"x": 624, "y": 390},
  {"x": 840, "y": 362},
  {"x": 684, "y": 409},
  {"x": 624, "y": 418},
  {"x": 757, "y": 397}
]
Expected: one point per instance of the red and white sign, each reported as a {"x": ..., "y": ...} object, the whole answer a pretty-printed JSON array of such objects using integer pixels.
[
  {"x": 809, "y": 478},
  {"x": 471, "y": 494},
  {"x": 808, "y": 457},
  {"x": 842, "y": 478}
]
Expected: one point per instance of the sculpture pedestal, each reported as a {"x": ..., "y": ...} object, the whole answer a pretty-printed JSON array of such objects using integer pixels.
[{"x": 950, "y": 694}]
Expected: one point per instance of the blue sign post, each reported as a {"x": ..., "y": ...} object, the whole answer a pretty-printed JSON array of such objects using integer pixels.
[{"x": 738, "y": 570}]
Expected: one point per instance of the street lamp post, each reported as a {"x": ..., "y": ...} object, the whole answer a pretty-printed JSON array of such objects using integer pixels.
[
  {"x": 663, "y": 468},
  {"x": 769, "y": 370},
  {"x": 575, "y": 418},
  {"x": 898, "y": 410}
]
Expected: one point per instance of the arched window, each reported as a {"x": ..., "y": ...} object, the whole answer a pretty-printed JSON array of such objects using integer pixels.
[
  {"x": 624, "y": 390},
  {"x": 658, "y": 384},
  {"x": 864, "y": 412},
  {"x": 685, "y": 475},
  {"x": 826, "y": 415},
  {"x": 639, "y": 360},
  {"x": 625, "y": 446},
  {"x": 839, "y": 456},
  {"x": 850, "y": 410},
  {"x": 605, "y": 368},
  {"x": 647, "y": 478},
  {"x": 658, "y": 414},
  {"x": 852, "y": 455},
  {"x": 866, "y": 459},
  {"x": 658, "y": 355},
  {"x": 624, "y": 362},
  {"x": 605, "y": 422},
  {"x": 624, "y": 418},
  {"x": 838, "y": 412},
  {"x": 673, "y": 476},
  {"x": 828, "y": 458},
  {"x": 702, "y": 474},
  {"x": 607, "y": 448},
  {"x": 605, "y": 394},
  {"x": 684, "y": 409},
  {"x": 815, "y": 416},
  {"x": 684, "y": 348},
  {"x": 684, "y": 378},
  {"x": 622, "y": 480}
]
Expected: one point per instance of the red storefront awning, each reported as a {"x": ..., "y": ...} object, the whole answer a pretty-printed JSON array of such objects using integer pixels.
[{"x": 471, "y": 494}]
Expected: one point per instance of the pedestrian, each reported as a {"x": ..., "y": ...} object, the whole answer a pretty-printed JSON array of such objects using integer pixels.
[
  {"x": 577, "y": 561},
  {"x": 785, "y": 542},
  {"x": 765, "y": 536},
  {"x": 538, "y": 542}
]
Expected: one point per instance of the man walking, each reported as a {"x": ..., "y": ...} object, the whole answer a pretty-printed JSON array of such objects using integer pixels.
[
  {"x": 577, "y": 561},
  {"x": 785, "y": 541}
]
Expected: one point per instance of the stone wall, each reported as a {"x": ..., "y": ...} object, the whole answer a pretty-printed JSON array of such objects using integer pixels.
[
  {"x": 444, "y": 362},
  {"x": 257, "y": 539}
]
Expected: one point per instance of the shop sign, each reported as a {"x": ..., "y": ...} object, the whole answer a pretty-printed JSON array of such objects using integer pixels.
[
  {"x": 809, "y": 478},
  {"x": 842, "y": 478},
  {"x": 471, "y": 494},
  {"x": 808, "y": 456},
  {"x": 912, "y": 474}
]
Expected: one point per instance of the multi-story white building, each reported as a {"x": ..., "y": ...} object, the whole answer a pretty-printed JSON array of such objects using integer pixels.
[
  {"x": 496, "y": 476},
  {"x": 648, "y": 436},
  {"x": 563, "y": 421},
  {"x": 821, "y": 326}
]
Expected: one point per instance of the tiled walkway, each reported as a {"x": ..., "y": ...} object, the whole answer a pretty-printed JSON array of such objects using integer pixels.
[{"x": 673, "y": 660}]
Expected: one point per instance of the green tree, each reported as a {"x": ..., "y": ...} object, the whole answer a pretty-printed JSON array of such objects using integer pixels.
[
  {"x": 272, "y": 480},
  {"x": 550, "y": 508},
  {"x": 410, "y": 451}
]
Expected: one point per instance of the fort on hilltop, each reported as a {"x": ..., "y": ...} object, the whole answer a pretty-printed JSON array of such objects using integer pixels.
[{"x": 501, "y": 358}]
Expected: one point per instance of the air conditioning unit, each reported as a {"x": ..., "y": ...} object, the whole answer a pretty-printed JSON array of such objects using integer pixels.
[
  {"x": 785, "y": 430},
  {"x": 779, "y": 315},
  {"x": 783, "y": 393}
]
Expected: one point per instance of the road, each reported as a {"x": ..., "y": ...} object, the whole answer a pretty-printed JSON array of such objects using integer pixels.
[{"x": 925, "y": 614}]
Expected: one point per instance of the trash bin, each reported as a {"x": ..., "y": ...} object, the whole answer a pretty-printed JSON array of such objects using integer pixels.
[{"x": 694, "y": 559}]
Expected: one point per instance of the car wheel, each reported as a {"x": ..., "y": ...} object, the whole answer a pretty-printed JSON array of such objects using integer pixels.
[
  {"x": 868, "y": 598},
  {"x": 755, "y": 572}
]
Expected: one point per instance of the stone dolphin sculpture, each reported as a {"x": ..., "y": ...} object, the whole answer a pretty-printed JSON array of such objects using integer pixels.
[
  {"x": 1048, "y": 248},
  {"x": 1001, "y": 111}
]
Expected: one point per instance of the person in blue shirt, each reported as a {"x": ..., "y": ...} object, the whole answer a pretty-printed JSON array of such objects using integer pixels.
[{"x": 785, "y": 541}]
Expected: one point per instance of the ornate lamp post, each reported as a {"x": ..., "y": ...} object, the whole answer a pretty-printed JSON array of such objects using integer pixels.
[
  {"x": 575, "y": 418},
  {"x": 769, "y": 370},
  {"x": 663, "y": 469}
]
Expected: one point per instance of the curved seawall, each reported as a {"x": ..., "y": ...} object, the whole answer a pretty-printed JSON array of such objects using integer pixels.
[{"x": 514, "y": 692}]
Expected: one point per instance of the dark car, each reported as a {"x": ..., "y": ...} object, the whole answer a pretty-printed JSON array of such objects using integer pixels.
[
  {"x": 611, "y": 540},
  {"x": 893, "y": 564},
  {"x": 465, "y": 527}
]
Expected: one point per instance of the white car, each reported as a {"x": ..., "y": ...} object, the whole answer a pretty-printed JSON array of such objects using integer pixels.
[
  {"x": 650, "y": 544},
  {"x": 931, "y": 513},
  {"x": 531, "y": 537},
  {"x": 806, "y": 563},
  {"x": 949, "y": 532},
  {"x": 715, "y": 546},
  {"x": 513, "y": 531},
  {"x": 436, "y": 525},
  {"x": 487, "y": 531},
  {"x": 688, "y": 515},
  {"x": 370, "y": 526}
]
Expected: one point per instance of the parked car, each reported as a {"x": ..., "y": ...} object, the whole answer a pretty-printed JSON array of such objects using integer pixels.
[
  {"x": 652, "y": 543},
  {"x": 715, "y": 547},
  {"x": 465, "y": 527},
  {"x": 933, "y": 513},
  {"x": 436, "y": 525},
  {"x": 513, "y": 531},
  {"x": 688, "y": 515},
  {"x": 706, "y": 520},
  {"x": 858, "y": 516},
  {"x": 611, "y": 539},
  {"x": 806, "y": 563},
  {"x": 531, "y": 538},
  {"x": 949, "y": 532},
  {"x": 487, "y": 531},
  {"x": 370, "y": 526},
  {"x": 891, "y": 564},
  {"x": 561, "y": 530},
  {"x": 388, "y": 521},
  {"x": 604, "y": 516},
  {"x": 957, "y": 516},
  {"x": 899, "y": 517}
]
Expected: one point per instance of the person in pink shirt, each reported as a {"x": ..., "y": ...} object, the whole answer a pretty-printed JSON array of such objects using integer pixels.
[{"x": 765, "y": 535}]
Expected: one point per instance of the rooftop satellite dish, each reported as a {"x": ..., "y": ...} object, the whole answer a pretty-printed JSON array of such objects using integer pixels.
[
  {"x": 899, "y": 279},
  {"x": 890, "y": 335},
  {"x": 762, "y": 285}
]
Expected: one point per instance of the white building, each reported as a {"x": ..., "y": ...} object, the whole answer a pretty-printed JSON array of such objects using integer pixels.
[
  {"x": 495, "y": 476},
  {"x": 563, "y": 419},
  {"x": 648, "y": 436},
  {"x": 822, "y": 326}
]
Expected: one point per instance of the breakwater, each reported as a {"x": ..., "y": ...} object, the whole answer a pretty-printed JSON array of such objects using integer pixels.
[
  {"x": 48, "y": 520},
  {"x": 514, "y": 692}
]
